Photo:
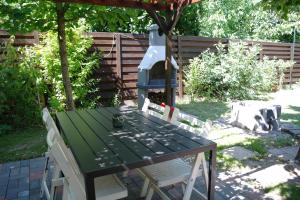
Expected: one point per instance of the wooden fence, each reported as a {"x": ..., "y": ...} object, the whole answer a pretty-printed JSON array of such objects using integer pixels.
[{"x": 122, "y": 53}]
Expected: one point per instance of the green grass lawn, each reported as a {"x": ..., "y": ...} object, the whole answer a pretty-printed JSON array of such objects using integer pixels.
[
  {"x": 23, "y": 144},
  {"x": 287, "y": 191},
  {"x": 204, "y": 109},
  {"x": 292, "y": 115}
]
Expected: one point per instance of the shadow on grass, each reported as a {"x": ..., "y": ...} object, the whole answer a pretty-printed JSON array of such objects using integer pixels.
[
  {"x": 293, "y": 116},
  {"x": 204, "y": 109},
  {"x": 287, "y": 191},
  {"x": 23, "y": 144}
]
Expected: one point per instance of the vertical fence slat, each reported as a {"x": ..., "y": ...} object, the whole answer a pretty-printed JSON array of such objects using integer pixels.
[
  {"x": 180, "y": 66},
  {"x": 123, "y": 63},
  {"x": 118, "y": 55},
  {"x": 120, "y": 85}
]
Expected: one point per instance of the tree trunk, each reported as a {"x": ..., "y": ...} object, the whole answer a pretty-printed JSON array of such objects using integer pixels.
[
  {"x": 168, "y": 69},
  {"x": 61, "y": 34},
  {"x": 168, "y": 64}
]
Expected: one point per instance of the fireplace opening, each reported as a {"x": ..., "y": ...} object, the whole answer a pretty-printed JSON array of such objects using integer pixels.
[{"x": 157, "y": 71}]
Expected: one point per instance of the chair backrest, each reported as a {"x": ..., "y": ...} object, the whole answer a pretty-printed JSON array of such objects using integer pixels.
[
  {"x": 52, "y": 129},
  {"x": 156, "y": 110},
  {"x": 68, "y": 165},
  {"x": 190, "y": 123}
]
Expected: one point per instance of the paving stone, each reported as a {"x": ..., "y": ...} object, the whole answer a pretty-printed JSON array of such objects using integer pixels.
[
  {"x": 4, "y": 181},
  {"x": 35, "y": 175},
  {"x": 11, "y": 165},
  {"x": 24, "y": 183},
  {"x": 34, "y": 196},
  {"x": 23, "y": 198},
  {"x": 2, "y": 191},
  {"x": 12, "y": 193},
  {"x": 4, "y": 169},
  {"x": 24, "y": 163},
  {"x": 35, "y": 184},
  {"x": 285, "y": 153},
  {"x": 4, "y": 174},
  {"x": 14, "y": 171},
  {"x": 12, "y": 184},
  {"x": 24, "y": 193},
  {"x": 24, "y": 170},
  {"x": 37, "y": 163},
  {"x": 275, "y": 175},
  {"x": 239, "y": 153}
]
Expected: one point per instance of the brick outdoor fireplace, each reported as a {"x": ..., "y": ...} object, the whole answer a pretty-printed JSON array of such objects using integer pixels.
[{"x": 151, "y": 71}]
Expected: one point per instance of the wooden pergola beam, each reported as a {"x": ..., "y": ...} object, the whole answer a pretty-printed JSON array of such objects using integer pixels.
[
  {"x": 173, "y": 10},
  {"x": 158, "y": 5}
]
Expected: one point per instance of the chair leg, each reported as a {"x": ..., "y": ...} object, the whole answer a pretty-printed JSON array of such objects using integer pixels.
[
  {"x": 205, "y": 170},
  {"x": 66, "y": 195},
  {"x": 150, "y": 194},
  {"x": 183, "y": 188},
  {"x": 125, "y": 174},
  {"x": 56, "y": 174},
  {"x": 44, "y": 189},
  {"x": 145, "y": 188}
]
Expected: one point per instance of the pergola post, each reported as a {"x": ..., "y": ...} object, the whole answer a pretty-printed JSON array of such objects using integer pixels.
[{"x": 173, "y": 9}]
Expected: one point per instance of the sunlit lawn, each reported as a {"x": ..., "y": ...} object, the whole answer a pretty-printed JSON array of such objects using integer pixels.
[
  {"x": 204, "y": 109},
  {"x": 287, "y": 191},
  {"x": 292, "y": 114},
  {"x": 22, "y": 144}
]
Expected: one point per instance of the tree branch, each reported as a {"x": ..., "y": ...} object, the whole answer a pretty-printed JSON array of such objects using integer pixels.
[{"x": 158, "y": 19}]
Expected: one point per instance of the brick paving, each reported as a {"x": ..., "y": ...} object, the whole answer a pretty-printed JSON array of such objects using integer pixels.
[{"x": 21, "y": 180}]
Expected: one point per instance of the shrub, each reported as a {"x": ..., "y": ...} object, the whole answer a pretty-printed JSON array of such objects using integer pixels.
[
  {"x": 235, "y": 73},
  {"x": 18, "y": 90},
  {"x": 82, "y": 62}
]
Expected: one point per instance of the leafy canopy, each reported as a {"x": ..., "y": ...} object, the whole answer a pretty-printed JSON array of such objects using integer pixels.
[
  {"x": 243, "y": 19},
  {"x": 40, "y": 15}
]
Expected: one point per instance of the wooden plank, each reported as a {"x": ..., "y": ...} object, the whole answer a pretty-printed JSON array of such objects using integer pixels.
[
  {"x": 118, "y": 56},
  {"x": 192, "y": 139},
  {"x": 108, "y": 135},
  {"x": 135, "y": 43},
  {"x": 103, "y": 42},
  {"x": 100, "y": 149},
  {"x": 154, "y": 140},
  {"x": 180, "y": 63},
  {"x": 85, "y": 155},
  {"x": 130, "y": 69},
  {"x": 130, "y": 136}
]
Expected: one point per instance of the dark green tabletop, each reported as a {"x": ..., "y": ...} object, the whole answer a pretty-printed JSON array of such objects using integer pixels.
[{"x": 101, "y": 149}]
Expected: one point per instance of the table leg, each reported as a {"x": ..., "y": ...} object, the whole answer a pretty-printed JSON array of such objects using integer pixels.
[
  {"x": 192, "y": 178},
  {"x": 298, "y": 155},
  {"x": 212, "y": 174},
  {"x": 90, "y": 188}
]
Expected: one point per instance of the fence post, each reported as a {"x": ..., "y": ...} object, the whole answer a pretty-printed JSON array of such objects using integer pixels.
[
  {"x": 292, "y": 57},
  {"x": 261, "y": 52},
  {"x": 180, "y": 66},
  {"x": 119, "y": 64},
  {"x": 36, "y": 37}
]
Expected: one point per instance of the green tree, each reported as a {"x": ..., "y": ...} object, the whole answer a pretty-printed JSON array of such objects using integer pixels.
[
  {"x": 29, "y": 15},
  {"x": 241, "y": 19},
  {"x": 18, "y": 89},
  {"x": 283, "y": 7}
]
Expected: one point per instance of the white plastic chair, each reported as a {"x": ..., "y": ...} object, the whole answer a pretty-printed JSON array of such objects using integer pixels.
[
  {"x": 106, "y": 188},
  {"x": 156, "y": 110},
  {"x": 173, "y": 171},
  {"x": 52, "y": 136},
  {"x": 190, "y": 123}
]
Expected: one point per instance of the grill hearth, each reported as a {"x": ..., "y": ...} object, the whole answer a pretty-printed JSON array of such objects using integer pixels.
[{"x": 151, "y": 74}]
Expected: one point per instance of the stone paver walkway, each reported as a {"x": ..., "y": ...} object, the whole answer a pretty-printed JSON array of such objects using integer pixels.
[{"x": 21, "y": 180}]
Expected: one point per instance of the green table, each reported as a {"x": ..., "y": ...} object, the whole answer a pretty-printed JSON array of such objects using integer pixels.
[{"x": 100, "y": 149}]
